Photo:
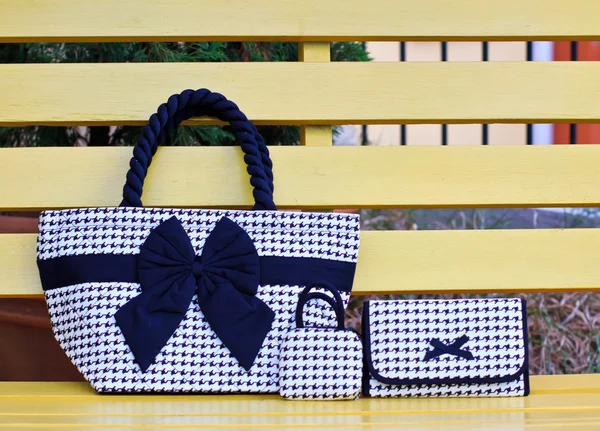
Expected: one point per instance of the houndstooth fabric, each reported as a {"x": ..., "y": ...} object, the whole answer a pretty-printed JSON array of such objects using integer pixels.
[
  {"x": 319, "y": 363},
  {"x": 194, "y": 359},
  {"x": 123, "y": 231},
  {"x": 399, "y": 335}
]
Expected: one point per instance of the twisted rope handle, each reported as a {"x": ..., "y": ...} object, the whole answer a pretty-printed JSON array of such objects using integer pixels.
[
  {"x": 336, "y": 303},
  {"x": 195, "y": 103}
]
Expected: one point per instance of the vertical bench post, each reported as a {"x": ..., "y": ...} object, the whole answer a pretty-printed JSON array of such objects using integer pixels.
[{"x": 315, "y": 52}]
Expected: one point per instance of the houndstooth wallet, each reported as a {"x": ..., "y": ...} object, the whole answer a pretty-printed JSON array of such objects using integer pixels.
[
  {"x": 318, "y": 362},
  {"x": 439, "y": 348}
]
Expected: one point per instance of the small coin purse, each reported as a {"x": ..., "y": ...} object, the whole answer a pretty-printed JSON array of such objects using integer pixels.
[
  {"x": 320, "y": 362},
  {"x": 440, "y": 348}
]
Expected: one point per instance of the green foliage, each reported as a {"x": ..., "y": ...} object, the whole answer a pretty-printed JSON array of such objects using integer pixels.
[
  {"x": 154, "y": 52},
  {"x": 349, "y": 51},
  {"x": 38, "y": 136}
]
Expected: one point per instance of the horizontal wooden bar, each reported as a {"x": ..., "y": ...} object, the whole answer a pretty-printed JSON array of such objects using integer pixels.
[
  {"x": 306, "y": 20},
  {"x": 310, "y": 177},
  {"x": 406, "y": 262},
  {"x": 75, "y": 406},
  {"x": 492, "y": 419},
  {"x": 307, "y": 93},
  {"x": 478, "y": 261}
]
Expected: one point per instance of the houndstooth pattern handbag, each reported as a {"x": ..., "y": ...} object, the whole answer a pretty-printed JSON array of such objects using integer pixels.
[
  {"x": 318, "y": 362},
  {"x": 438, "y": 348},
  {"x": 183, "y": 300}
]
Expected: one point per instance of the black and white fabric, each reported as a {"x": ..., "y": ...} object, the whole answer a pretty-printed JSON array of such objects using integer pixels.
[
  {"x": 318, "y": 362},
  {"x": 151, "y": 300},
  {"x": 194, "y": 359},
  {"x": 439, "y": 348}
]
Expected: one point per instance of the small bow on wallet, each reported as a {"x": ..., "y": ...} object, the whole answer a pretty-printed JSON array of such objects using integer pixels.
[
  {"x": 439, "y": 348},
  {"x": 225, "y": 278}
]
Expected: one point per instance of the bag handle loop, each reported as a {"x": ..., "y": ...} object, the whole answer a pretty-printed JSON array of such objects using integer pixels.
[
  {"x": 197, "y": 103},
  {"x": 336, "y": 303}
]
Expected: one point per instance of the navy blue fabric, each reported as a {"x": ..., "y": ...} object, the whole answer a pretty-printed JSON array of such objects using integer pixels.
[
  {"x": 336, "y": 302},
  {"x": 305, "y": 271},
  {"x": 90, "y": 268},
  {"x": 439, "y": 348},
  {"x": 202, "y": 102},
  {"x": 225, "y": 276},
  {"x": 87, "y": 268}
]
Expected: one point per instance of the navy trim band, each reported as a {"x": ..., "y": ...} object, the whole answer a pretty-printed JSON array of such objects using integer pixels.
[
  {"x": 364, "y": 329},
  {"x": 526, "y": 338},
  {"x": 122, "y": 268}
]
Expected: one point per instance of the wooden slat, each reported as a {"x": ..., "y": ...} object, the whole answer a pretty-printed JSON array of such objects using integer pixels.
[
  {"x": 307, "y": 93},
  {"x": 75, "y": 405},
  {"x": 481, "y": 261},
  {"x": 540, "y": 385},
  {"x": 579, "y": 420},
  {"x": 310, "y": 177},
  {"x": 575, "y": 383},
  {"x": 166, "y": 20}
]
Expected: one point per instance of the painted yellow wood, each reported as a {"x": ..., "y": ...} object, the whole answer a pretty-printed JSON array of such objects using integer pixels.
[
  {"x": 309, "y": 93},
  {"x": 575, "y": 421},
  {"x": 479, "y": 261},
  {"x": 344, "y": 177},
  {"x": 76, "y": 405},
  {"x": 575, "y": 383},
  {"x": 235, "y": 20},
  {"x": 316, "y": 136},
  {"x": 316, "y": 52}
]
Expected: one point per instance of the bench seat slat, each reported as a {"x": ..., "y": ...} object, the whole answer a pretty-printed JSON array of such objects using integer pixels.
[
  {"x": 52, "y": 404},
  {"x": 236, "y": 20},
  {"x": 568, "y": 420},
  {"x": 307, "y": 93},
  {"x": 310, "y": 177},
  {"x": 479, "y": 261}
]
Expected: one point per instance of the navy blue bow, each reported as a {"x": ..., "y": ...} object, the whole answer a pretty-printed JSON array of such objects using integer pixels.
[
  {"x": 225, "y": 277},
  {"x": 439, "y": 348}
]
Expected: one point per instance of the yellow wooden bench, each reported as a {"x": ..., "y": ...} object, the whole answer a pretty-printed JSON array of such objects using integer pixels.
[{"x": 316, "y": 94}]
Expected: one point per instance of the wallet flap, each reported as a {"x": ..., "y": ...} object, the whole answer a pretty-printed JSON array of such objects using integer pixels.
[{"x": 445, "y": 341}]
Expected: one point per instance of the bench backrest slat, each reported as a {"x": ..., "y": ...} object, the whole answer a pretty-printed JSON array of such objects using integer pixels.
[
  {"x": 306, "y": 20},
  {"x": 310, "y": 93},
  {"x": 342, "y": 177}
]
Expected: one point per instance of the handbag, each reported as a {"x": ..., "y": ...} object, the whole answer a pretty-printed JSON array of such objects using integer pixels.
[
  {"x": 436, "y": 348},
  {"x": 320, "y": 362},
  {"x": 188, "y": 300}
]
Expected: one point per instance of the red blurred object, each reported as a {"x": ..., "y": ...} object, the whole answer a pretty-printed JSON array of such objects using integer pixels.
[
  {"x": 586, "y": 133},
  {"x": 28, "y": 349},
  {"x": 18, "y": 224}
]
